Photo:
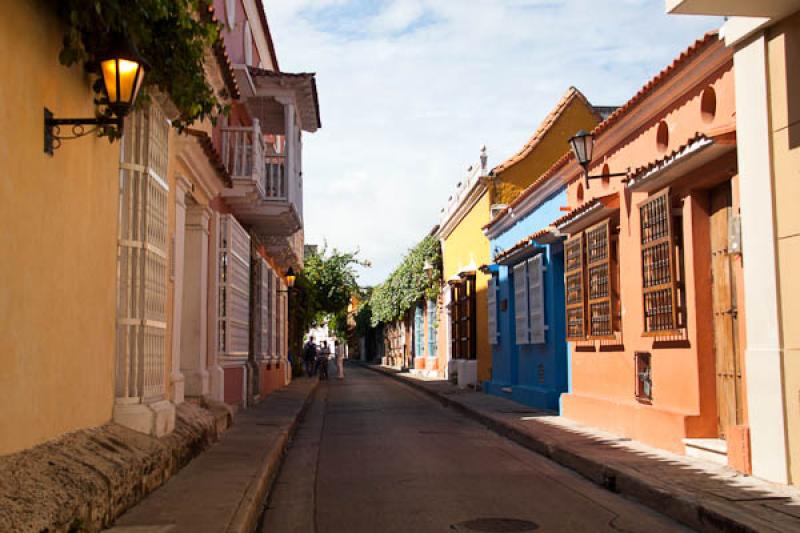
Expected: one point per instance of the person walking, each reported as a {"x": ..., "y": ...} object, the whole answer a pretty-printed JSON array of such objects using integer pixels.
[
  {"x": 310, "y": 357},
  {"x": 340, "y": 361},
  {"x": 322, "y": 360}
]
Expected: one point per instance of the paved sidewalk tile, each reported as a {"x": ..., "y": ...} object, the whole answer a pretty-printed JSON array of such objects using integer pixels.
[
  {"x": 223, "y": 489},
  {"x": 703, "y": 495}
]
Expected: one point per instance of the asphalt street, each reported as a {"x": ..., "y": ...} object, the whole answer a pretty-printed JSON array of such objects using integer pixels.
[{"x": 374, "y": 455}]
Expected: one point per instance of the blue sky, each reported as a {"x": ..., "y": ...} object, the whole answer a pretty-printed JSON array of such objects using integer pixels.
[{"x": 410, "y": 89}]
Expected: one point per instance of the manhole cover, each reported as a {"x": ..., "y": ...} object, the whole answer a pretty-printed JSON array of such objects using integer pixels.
[{"x": 495, "y": 525}]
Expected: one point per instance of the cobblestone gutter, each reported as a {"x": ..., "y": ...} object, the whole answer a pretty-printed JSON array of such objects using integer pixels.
[{"x": 83, "y": 480}]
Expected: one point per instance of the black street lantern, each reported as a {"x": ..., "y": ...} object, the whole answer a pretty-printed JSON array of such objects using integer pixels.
[
  {"x": 122, "y": 69},
  {"x": 290, "y": 277},
  {"x": 582, "y": 144},
  {"x": 583, "y": 147}
]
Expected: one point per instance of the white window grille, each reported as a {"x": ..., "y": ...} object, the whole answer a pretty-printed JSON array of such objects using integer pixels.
[
  {"x": 234, "y": 287},
  {"x": 142, "y": 259},
  {"x": 536, "y": 299},
  {"x": 492, "y": 298},
  {"x": 521, "y": 303}
]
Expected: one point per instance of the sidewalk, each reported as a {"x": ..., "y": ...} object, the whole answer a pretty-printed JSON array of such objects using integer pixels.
[
  {"x": 704, "y": 496},
  {"x": 224, "y": 489}
]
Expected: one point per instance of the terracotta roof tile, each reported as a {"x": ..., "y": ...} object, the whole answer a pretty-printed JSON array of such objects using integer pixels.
[
  {"x": 607, "y": 200},
  {"x": 727, "y": 135},
  {"x": 213, "y": 156},
  {"x": 571, "y": 95},
  {"x": 310, "y": 76},
  {"x": 522, "y": 244},
  {"x": 224, "y": 61},
  {"x": 700, "y": 44},
  {"x": 696, "y": 47},
  {"x": 555, "y": 167}
]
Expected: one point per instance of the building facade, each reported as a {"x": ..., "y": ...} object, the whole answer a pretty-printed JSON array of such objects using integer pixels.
[
  {"x": 167, "y": 284},
  {"x": 656, "y": 347},
  {"x": 525, "y": 293},
  {"x": 764, "y": 39}
]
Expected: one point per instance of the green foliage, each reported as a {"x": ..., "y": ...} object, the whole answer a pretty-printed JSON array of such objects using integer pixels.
[
  {"x": 332, "y": 276},
  {"x": 324, "y": 288},
  {"x": 172, "y": 35},
  {"x": 363, "y": 316},
  {"x": 408, "y": 283}
]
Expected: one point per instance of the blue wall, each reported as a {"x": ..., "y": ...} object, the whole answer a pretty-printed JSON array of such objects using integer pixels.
[{"x": 516, "y": 368}]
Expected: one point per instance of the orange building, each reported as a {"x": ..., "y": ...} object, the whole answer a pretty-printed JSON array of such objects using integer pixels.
[{"x": 656, "y": 346}]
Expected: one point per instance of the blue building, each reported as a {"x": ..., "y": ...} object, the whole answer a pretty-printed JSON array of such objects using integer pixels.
[{"x": 530, "y": 356}]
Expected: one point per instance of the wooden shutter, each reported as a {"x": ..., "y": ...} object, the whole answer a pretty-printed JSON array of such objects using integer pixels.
[
  {"x": 599, "y": 285},
  {"x": 492, "y": 305},
  {"x": 574, "y": 288},
  {"x": 658, "y": 265},
  {"x": 454, "y": 322},
  {"x": 234, "y": 315},
  {"x": 472, "y": 306},
  {"x": 536, "y": 299},
  {"x": 521, "y": 303}
]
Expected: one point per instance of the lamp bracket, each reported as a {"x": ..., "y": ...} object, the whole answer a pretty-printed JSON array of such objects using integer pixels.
[
  {"x": 614, "y": 175},
  {"x": 52, "y": 128}
]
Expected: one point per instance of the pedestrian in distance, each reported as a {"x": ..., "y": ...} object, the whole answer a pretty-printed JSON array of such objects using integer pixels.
[
  {"x": 322, "y": 360},
  {"x": 310, "y": 357},
  {"x": 340, "y": 361}
]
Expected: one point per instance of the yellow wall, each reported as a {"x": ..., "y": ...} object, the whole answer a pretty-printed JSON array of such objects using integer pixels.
[
  {"x": 468, "y": 245},
  {"x": 57, "y": 245},
  {"x": 784, "y": 75},
  {"x": 509, "y": 183}
]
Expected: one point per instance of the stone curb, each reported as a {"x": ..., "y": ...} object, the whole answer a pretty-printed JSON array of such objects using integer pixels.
[
  {"x": 678, "y": 504},
  {"x": 251, "y": 506}
]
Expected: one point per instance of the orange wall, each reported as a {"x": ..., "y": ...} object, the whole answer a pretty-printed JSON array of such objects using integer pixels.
[{"x": 603, "y": 381}]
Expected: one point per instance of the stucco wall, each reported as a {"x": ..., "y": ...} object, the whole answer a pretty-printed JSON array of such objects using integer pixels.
[
  {"x": 554, "y": 144},
  {"x": 467, "y": 245},
  {"x": 683, "y": 369},
  {"x": 57, "y": 246},
  {"x": 783, "y": 63},
  {"x": 515, "y": 365}
]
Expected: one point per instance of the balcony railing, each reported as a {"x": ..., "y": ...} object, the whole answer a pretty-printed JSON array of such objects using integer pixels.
[
  {"x": 248, "y": 157},
  {"x": 243, "y": 150}
]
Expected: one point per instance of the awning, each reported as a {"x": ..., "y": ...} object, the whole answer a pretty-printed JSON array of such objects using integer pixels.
[
  {"x": 698, "y": 151},
  {"x": 264, "y": 89},
  {"x": 587, "y": 213}
]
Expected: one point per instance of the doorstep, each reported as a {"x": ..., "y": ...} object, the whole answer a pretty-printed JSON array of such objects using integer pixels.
[{"x": 712, "y": 450}]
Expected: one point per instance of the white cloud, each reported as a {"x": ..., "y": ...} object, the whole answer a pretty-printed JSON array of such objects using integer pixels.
[{"x": 410, "y": 89}]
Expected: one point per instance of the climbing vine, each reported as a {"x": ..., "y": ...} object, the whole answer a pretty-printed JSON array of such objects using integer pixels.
[
  {"x": 408, "y": 283},
  {"x": 172, "y": 35}
]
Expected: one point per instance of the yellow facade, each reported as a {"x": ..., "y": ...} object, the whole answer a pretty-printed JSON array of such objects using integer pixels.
[
  {"x": 784, "y": 79},
  {"x": 57, "y": 245},
  {"x": 467, "y": 248},
  {"x": 549, "y": 143}
]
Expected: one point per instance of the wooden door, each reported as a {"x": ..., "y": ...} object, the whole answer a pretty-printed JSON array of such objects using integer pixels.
[{"x": 726, "y": 341}]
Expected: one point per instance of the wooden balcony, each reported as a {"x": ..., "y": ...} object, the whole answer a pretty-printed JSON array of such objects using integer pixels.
[{"x": 266, "y": 192}]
